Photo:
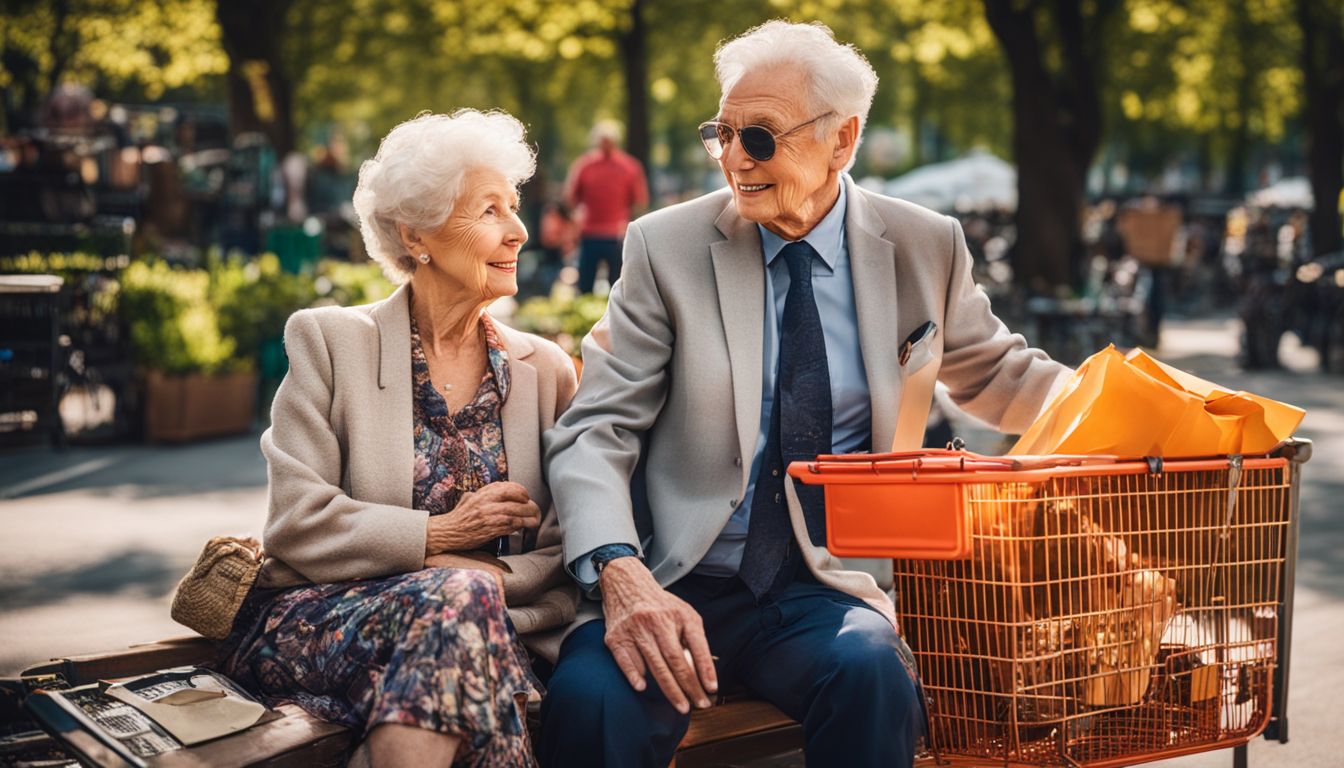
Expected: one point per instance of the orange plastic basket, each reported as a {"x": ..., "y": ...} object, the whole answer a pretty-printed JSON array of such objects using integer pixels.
[
  {"x": 1076, "y": 610},
  {"x": 907, "y": 504}
]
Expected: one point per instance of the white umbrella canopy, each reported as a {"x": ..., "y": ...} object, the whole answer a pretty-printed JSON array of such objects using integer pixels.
[
  {"x": 1290, "y": 192},
  {"x": 978, "y": 181}
]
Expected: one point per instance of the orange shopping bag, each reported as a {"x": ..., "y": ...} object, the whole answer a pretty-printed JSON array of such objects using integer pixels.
[{"x": 1136, "y": 406}]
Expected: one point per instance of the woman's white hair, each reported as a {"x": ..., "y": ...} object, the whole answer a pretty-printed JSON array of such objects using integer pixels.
[
  {"x": 840, "y": 79},
  {"x": 417, "y": 175}
]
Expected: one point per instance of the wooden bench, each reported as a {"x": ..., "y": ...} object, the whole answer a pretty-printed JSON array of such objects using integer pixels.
[{"x": 734, "y": 730}]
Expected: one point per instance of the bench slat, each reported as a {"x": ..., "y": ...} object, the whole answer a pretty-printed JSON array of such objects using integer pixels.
[
  {"x": 135, "y": 660},
  {"x": 731, "y": 720}
]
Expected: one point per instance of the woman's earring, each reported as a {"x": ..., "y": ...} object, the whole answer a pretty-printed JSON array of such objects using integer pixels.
[{"x": 424, "y": 258}]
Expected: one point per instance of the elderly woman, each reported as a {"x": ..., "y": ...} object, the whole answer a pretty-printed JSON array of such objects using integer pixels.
[{"x": 406, "y": 495}]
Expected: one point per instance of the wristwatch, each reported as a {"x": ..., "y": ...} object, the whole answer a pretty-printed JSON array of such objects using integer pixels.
[{"x": 605, "y": 554}]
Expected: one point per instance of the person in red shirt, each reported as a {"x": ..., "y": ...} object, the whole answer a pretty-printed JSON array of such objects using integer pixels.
[
  {"x": 559, "y": 239},
  {"x": 606, "y": 186}
]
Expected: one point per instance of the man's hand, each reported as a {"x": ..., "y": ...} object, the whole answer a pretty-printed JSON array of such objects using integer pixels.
[
  {"x": 651, "y": 630},
  {"x": 496, "y": 510}
]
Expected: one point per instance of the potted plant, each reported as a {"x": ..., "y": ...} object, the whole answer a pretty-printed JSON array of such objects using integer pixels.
[{"x": 195, "y": 383}]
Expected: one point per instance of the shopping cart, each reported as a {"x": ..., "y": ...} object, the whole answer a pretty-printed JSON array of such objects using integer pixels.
[{"x": 1082, "y": 611}]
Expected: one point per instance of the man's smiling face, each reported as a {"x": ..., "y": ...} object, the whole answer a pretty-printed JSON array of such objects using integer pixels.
[{"x": 792, "y": 191}]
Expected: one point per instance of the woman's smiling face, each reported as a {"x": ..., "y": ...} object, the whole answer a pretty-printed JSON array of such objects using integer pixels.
[{"x": 476, "y": 249}]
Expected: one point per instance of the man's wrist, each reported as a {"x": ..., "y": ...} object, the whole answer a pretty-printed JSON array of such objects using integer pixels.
[{"x": 605, "y": 554}]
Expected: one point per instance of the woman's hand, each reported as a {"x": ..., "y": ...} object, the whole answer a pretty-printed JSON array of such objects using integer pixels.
[{"x": 496, "y": 510}]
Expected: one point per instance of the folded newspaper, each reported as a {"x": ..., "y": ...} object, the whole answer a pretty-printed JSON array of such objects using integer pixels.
[{"x": 115, "y": 724}]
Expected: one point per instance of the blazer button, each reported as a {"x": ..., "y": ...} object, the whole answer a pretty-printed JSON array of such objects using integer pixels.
[
  {"x": 732, "y": 503},
  {"x": 737, "y": 462}
]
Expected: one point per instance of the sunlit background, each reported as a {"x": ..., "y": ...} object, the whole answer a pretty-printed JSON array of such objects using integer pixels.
[{"x": 175, "y": 180}]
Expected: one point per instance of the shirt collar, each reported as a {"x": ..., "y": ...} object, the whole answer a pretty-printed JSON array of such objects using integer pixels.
[{"x": 827, "y": 238}]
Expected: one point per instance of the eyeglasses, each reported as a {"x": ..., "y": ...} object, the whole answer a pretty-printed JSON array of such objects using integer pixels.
[{"x": 757, "y": 142}]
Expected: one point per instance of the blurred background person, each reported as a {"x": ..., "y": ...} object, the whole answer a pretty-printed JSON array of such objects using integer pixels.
[
  {"x": 559, "y": 238},
  {"x": 606, "y": 186}
]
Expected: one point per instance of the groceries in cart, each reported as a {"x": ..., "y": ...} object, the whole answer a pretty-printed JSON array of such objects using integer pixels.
[
  {"x": 1111, "y": 592},
  {"x": 1132, "y": 406},
  {"x": 1098, "y": 611}
]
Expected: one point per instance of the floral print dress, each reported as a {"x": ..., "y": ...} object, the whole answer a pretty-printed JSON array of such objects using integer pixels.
[{"x": 433, "y": 648}]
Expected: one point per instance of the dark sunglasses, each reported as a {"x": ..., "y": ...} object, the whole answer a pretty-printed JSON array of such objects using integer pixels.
[{"x": 757, "y": 142}]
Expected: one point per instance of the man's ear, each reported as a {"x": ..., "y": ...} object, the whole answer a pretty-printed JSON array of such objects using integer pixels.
[
  {"x": 846, "y": 139},
  {"x": 410, "y": 239}
]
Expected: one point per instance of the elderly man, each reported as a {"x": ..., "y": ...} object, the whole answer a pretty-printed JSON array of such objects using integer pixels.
[{"x": 791, "y": 315}]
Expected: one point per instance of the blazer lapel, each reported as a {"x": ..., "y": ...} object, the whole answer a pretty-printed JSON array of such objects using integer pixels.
[
  {"x": 873, "y": 261},
  {"x": 739, "y": 274},
  {"x": 522, "y": 433},
  {"x": 391, "y": 404},
  {"x": 522, "y": 430}
]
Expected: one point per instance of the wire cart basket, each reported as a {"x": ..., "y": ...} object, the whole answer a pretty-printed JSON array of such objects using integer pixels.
[{"x": 1081, "y": 611}]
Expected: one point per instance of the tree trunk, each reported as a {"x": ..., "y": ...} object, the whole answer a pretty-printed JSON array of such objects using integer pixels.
[
  {"x": 259, "y": 88},
  {"x": 1240, "y": 139},
  {"x": 917, "y": 110},
  {"x": 62, "y": 45},
  {"x": 22, "y": 94},
  {"x": 1323, "y": 70},
  {"x": 542, "y": 133},
  {"x": 1056, "y": 132},
  {"x": 634, "y": 59},
  {"x": 1205, "y": 160}
]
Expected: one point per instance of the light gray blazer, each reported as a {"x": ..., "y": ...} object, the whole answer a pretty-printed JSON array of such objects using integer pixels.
[
  {"x": 340, "y": 460},
  {"x": 673, "y": 371}
]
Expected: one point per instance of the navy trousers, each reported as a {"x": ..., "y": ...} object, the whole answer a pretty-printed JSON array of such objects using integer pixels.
[
  {"x": 594, "y": 250},
  {"x": 824, "y": 658}
]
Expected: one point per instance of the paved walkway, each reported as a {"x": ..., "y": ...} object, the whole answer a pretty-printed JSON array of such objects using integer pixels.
[{"x": 96, "y": 538}]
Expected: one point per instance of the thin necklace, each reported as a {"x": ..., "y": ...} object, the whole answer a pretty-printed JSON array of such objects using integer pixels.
[{"x": 481, "y": 335}]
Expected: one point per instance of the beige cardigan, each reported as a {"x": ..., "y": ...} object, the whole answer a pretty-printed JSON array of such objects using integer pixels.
[{"x": 340, "y": 460}]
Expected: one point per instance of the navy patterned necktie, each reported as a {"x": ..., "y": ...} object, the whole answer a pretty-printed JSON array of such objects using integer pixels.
[{"x": 800, "y": 429}]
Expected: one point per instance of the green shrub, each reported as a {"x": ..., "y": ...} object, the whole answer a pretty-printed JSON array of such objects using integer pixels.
[
  {"x": 67, "y": 265},
  {"x": 561, "y": 318},
  {"x": 206, "y": 320},
  {"x": 174, "y": 327},
  {"x": 254, "y": 298},
  {"x": 349, "y": 285}
]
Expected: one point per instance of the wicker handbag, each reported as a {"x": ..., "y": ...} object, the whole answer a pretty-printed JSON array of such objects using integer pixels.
[{"x": 209, "y": 597}]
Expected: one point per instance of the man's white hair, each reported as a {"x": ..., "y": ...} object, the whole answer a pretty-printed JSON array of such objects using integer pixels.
[
  {"x": 839, "y": 78},
  {"x": 417, "y": 174},
  {"x": 605, "y": 129}
]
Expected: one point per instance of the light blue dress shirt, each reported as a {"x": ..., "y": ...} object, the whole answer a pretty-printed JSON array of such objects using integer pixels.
[{"x": 851, "y": 420}]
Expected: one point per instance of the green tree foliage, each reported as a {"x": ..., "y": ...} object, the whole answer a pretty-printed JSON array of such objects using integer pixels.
[
  {"x": 1196, "y": 70},
  {"x": 1210, "y": 80},
  {"x": 369, "y": 64},
  {"x": 124, "y": 48},
  {"x": 1203, "y": 80},
  {"x": 942, "y": 73}
]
